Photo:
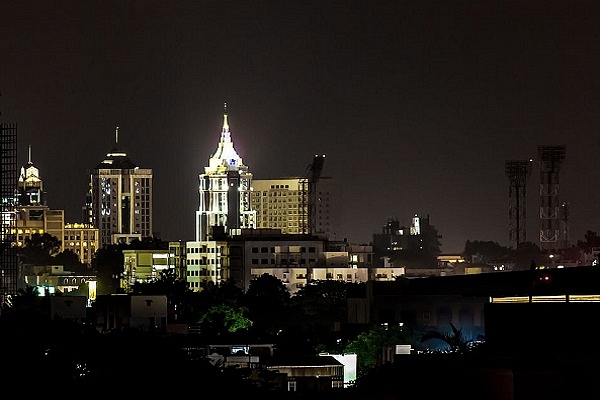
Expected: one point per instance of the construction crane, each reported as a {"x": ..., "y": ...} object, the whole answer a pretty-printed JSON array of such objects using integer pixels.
[{"x": 309, "y": 196}]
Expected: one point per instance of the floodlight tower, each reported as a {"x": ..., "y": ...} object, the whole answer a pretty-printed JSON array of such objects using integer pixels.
[
  {"x": 517, "y": 171},
  {"x": 550, "y": 159}
]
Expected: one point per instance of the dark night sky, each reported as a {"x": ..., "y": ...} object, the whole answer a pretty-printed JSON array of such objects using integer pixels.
[{"x": 417, "y": 105}]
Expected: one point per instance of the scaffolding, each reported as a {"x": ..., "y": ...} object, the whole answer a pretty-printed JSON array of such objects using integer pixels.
[
  {"x": 518, "y": 172},
  {"x": 8, "y": 189},
  {"x": 552, "y": 230}
]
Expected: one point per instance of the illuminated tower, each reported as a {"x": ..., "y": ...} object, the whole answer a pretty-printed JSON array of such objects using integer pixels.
[
  {"x": 224, "y": 190},
  {"x": 517, "y": 171},
  {"x": 120, "y": 198},
  {"x": 30, "y": 186},
  {"x": 550, "y": 159}
]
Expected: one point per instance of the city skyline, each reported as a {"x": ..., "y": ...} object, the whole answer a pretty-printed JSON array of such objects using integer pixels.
[{"x": 416, "y": 107}]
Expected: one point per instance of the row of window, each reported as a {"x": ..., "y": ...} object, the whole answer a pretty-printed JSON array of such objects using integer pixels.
[
  {"x": 265, "y": 261},
  {"x": 203, "y": 261},
  {"x": 204, "y": 272},
  {"x": 311, "y": 249}
]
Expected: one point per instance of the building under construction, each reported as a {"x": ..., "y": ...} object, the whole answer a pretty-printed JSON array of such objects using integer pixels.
[{"x": 8, "y": 187}]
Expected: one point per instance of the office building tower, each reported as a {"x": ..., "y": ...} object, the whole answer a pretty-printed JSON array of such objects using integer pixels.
[
  {"x": 30, "y": 187},
  {"x": 287, "y": 204},
  {"x": 281, "y": 204},
  {"x": 120, "y": 198},
  {"x": 224, "y": 190},
  {"x": 34, "y": 216}
]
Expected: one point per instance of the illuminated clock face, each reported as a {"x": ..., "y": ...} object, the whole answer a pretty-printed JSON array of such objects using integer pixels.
[{"x": 232, "y": 161}]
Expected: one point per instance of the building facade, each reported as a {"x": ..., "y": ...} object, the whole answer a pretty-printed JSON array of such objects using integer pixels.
[
  {"x": 81, "y": 239},
  {"x": 281, "y": 204},
  {"x": 288, "y": 204},
  {"x": 120, "y": 203}
]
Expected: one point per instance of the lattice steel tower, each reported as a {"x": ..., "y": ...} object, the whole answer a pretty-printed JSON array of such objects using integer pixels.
[
  {"x": 550, "y": 159},
  {"x": 8, "y": 187},
  {"x": 517, "y": 171}
]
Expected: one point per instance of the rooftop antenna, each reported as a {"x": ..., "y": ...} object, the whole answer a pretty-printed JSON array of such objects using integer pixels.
[
  {"x": 117, "y": 135},
  {"x": 29, "y": 155}
]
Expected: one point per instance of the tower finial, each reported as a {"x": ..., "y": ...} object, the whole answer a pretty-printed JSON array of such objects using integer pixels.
[
  {"x": 29, "y": 155},
  {"x": 117, "y": 135},
  {"x": 225, "y": 123}
]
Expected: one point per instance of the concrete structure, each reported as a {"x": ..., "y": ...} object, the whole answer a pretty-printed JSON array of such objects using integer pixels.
[
  {"x": 120, "y": 198},
  {"x": 144, "y": 312},
  {"x": 310, "y": 374},
  {"x": 142, "y": 266}
]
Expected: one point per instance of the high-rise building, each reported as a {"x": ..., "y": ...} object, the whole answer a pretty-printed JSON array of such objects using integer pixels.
[
  {"x": 34, "y": 216},
  {"x": 120, "y": 198},
  {"x": 287, "y": 204},
  {"x": 224, "y": 189},
  {"x": 30, "y": 188},
  {"x": 281, "y": 203},
  {"x": 9, "y": 264}
]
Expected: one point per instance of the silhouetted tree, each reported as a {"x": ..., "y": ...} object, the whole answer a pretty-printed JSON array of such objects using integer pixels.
[
  {"x": 455, "y": 340},
  {"x": 267, "y": 299},
  {"x": 108, "y": 266},
  {"x": 39, "y": 249},
  {"x": 222, "y": 320},
  {"x": 148, "y": 243},
  {"x": 71, "y": 262},
  {"x": 591, "y": 240}
]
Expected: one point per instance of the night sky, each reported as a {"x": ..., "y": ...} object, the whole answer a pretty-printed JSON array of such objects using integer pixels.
[{"x": 416, "y": 105}]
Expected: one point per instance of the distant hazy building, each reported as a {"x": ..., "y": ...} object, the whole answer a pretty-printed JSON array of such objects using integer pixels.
[
  {"x": 419, "y": 238},
  {"x": 120, "y": 198},
  {"x": 34, "y": 216},
  {"x": 81, "y": 239}
]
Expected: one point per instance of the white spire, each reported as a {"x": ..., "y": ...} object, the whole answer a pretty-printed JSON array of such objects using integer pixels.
[{"x": 225, "y": 157}]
